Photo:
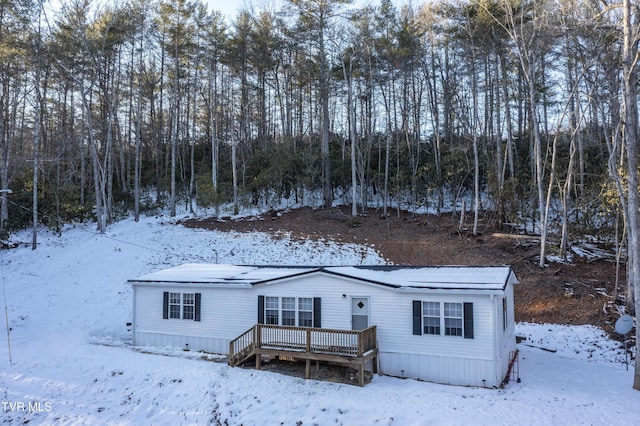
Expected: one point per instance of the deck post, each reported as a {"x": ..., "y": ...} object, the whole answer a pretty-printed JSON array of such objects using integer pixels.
[
  {"x": 361, "y": 374},
  {"x": 257, "y": 339},
  {"x": 308, "y": 340},
  {"x": 307, "y": 371}
]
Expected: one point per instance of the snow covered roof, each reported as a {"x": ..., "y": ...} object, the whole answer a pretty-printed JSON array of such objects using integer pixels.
[
  {"x": 432, "y": 277},
  {"x": 410, "y": 277}
]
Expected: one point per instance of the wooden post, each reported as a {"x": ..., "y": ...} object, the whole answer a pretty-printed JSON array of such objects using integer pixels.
[
  {"x": 307, "y": 371},
  {"x": 308, "y": 342},
  {"x": 361, "y": 375},
  {"x": 257, "y": 338}
]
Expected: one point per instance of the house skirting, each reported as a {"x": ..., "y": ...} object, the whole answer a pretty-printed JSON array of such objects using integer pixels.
[
  {"x": 430, "y": 368},
  {"x": 195, "y": 343},
  {"x": 439, "y": 369}
]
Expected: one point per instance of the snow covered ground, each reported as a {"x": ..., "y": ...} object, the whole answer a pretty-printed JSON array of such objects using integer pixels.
[{"x": 71, "y": 362}]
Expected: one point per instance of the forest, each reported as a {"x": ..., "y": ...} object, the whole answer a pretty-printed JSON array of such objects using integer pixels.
[
  {"x": 111, "y": 107},
  {"x": 526, "y": 108}
]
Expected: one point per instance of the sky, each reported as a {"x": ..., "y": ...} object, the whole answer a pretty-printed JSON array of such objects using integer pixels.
[
  {"x": 68, "y": 358},
  {"x": 230, "y": 8}
]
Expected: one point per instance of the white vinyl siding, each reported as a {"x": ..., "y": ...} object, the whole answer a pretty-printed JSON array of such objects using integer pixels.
[
  {"x": 228, "y": 312},
  {"x": 225, "y": 314},
  {"x": 391, "y": 312},
  {"x": 459, "y": 359}
]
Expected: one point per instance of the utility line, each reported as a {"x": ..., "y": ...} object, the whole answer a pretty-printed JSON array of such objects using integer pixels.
[
  {"x": 6, "y": 310},
  {"x": 118, "y": 240}
]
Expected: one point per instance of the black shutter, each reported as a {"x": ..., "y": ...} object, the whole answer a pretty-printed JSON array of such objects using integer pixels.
[
  {"x": 260, "y": 309},
  {"x": 165, "y": 305},
  {"x": 417, "y": 317},
  {"x": 468, "y": 320},
  {"x": 196, "y": 313},
  {"x": 317, "y": 312}
]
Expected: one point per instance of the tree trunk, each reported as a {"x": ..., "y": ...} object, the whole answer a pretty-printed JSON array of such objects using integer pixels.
[
  {"x": 474, "y": 130},
  {"x": 325, "y": 145},
  {"x": 174, "y": 130},
  {"x": 234, "y": 172},
  {"x": 629, "y": 58},
  {"x": 36, "y": 160},
  {"x": 352, "y": 134}
]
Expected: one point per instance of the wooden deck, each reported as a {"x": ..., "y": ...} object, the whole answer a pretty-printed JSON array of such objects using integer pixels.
[{"x": 355, "y": 347}]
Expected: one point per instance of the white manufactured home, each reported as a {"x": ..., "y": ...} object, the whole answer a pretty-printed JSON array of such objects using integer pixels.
[{"x": 451, "y": 324}]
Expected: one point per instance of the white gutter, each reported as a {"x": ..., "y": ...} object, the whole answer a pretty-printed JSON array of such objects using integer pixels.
[{"x": 190, "y": 284}]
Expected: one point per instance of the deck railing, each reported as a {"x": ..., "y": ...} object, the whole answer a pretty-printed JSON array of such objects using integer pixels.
[
  {"x": 351, "y": 343},
  {"x": 318, "y": 340},
  {"x": 320, "y": 344},
  {"x": 242, "y": 346}
]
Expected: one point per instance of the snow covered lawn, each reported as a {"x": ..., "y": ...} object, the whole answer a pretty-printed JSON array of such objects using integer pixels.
[{"x": 71, "y": 362}]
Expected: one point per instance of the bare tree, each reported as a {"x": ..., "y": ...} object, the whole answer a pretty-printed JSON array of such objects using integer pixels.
[
  {"x": 631, "y": 37},
  {"x": 315, "y": 17},
  {"x": 525, "y": 24}
]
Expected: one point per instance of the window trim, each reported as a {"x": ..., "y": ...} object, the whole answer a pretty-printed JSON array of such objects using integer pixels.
[
  {"x": 465, "y": 320},
  {"x": 309, "y": 311},
  {"x": 188, "y": 309},
  {"x": 271, "y": 311},
  {"x": 453, "y": 323},
  {"x": 432, "y": 329},
  {"x": 265, "y": 303},
  {"x": 173, "y": 299}
]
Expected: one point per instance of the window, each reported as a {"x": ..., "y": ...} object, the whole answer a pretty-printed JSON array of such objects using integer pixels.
[
  {"x": 431, "y": 317},
  {"x": 443, "y": 318},
  {"x": 188, "y": 305},
  {"x": 181, "y": 306},
  {"x": 272, "y": 309},
  {"x": 174, "y": 305},
  {"x": 453, "y": 319},
  {"x": 305, "y": 312},
  {"x": 290, "y": 311}
]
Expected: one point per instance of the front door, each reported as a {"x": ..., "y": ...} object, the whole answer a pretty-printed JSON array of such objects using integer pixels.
[{"x": 359, "y": 313}]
